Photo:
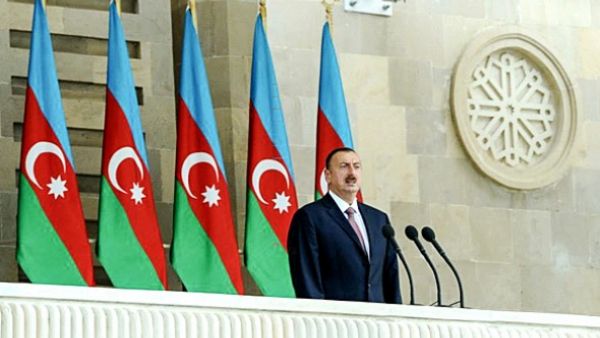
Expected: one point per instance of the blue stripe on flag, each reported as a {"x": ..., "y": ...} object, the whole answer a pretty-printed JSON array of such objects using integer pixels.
[
  {"x": 194, "y": 89},
  {"x": 331, "y": 91},
  {"x": 42, "y": 78},
  {"x": 265, "y": 95},
  {"x": 120, "y": 79}
]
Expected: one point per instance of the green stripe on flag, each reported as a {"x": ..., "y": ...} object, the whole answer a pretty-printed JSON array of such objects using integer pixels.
[
  {"x": 193, "y": 255},
  {"x": 266, "y": 259},
  {"x": 317, "y": 196},
  {"x": 122, "y": 256},
  {"x": 40, "y": 251}
]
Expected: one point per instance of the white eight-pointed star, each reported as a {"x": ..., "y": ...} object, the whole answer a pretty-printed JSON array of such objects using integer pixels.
[
  {"x": 137, "y": 193},
  {"x": 211, "y": 195},
  {"x": 57, "y": 187},
  {"x": 282, "y": 202}
]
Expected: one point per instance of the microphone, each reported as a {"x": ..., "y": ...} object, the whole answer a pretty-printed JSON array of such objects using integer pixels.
[
  {"x": 388, "y": 232},
  {"x": 429, "y": 236},
  {"x": 412, "y": 234}
]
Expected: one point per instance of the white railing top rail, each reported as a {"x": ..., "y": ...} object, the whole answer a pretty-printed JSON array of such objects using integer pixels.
[{"x": 22, "y": 291}]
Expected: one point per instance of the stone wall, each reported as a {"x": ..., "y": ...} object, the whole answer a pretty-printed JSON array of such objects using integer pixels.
[{"x": 535, "y": 250}]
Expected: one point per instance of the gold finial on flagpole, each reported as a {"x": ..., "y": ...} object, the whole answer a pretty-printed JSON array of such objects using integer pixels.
[
  {"x": 118, "y": 3},
  {"x": 328, "y": 4},
  {"x": 192, "y": 6},
  {"x": 262, "y": 7}
]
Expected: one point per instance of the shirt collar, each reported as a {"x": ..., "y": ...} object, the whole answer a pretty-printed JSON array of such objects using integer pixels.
[{"x": 343, "y": 205}]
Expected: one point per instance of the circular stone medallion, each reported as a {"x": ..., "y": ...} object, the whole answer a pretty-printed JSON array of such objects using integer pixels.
[{"x": 514, "y": 109}]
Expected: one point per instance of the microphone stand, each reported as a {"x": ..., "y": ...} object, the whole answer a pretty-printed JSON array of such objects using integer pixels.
[
  {"x": 413, "y": 235},
  {"x": 410, "y": 280},
  {"x": 435, "y": 276},
  {"x": 388, "y": 233},
  {"x": 429, "y": 236}
]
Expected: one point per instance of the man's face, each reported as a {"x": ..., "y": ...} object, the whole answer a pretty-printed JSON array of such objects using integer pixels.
[{"x": 343, "y": 175}]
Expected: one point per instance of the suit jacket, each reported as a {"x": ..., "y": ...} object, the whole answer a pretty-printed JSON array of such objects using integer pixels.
[{"x": 327, "y": 260}]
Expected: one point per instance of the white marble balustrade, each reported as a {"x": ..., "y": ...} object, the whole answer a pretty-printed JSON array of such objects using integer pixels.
[{"x": 39, "y": 311}]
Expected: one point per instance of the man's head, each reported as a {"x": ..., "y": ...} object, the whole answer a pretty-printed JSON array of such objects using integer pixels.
[{"x": 342, "y": 172}]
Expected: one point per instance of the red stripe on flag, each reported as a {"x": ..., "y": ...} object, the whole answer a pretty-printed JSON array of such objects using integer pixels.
[
  {"x": 215, "y": 216},
  {"x": 141, "y": 215},
  {"x": 272, "y": 184},
  {"x": 64, "y": 211},
  {"x": 327, "y": 140}
]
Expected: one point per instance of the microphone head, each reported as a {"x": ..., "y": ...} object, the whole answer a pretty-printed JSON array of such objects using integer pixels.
[
  {"x": 388, "y": 231},
  {"x": 428, "y": 234},
  {"x": 411, "y": 232}
]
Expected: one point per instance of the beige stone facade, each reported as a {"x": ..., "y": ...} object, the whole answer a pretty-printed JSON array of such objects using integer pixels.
[{"x": 534, "y": 250}]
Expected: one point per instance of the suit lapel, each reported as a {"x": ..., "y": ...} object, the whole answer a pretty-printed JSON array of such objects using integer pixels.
[
  {"x": 369, "y": 227},
  {"x": 341, "y": 220}
]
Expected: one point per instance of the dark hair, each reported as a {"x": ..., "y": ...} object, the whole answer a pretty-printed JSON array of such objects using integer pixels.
[{"x": 335, "y": 151}]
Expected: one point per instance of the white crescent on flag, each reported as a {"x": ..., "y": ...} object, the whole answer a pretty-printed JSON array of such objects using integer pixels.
[
  {"x": 115, "y": 161},
  {"x": 35, "y": 151},
  {"x": 262, "y": 167},
  {"x": 190, "y": 161},
  {"x": 323, "y": 183}
]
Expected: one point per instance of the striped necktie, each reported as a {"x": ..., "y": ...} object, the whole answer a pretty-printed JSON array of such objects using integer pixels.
[{"x": 350, "y": 212}]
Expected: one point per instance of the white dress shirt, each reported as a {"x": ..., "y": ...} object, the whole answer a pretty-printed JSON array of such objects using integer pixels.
[{"x": 343, "y": 205}]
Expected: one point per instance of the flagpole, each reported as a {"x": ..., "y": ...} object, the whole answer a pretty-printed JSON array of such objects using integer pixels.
[
  {"x": 192, "y": 6},
  {"x": 263, "y": 12},
  {"x": 118, "y": 3},
  {"x": 328, "y": 4}
]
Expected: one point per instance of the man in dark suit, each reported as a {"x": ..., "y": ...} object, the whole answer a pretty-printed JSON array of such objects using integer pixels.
[{"x": 336, "y": 247}]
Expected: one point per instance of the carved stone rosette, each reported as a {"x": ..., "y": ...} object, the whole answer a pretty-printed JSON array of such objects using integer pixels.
[{"x": 514, "y": 108}]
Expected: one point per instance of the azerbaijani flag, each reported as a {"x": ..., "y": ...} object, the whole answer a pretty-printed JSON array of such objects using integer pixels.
[
  {"x": 271, "y": 194},
  {"x": 52, "y": 242},
  {"x": 129, "y": 242},
  {"x": 204, "y": 252},
  {"x": 333, "y": 127}
]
